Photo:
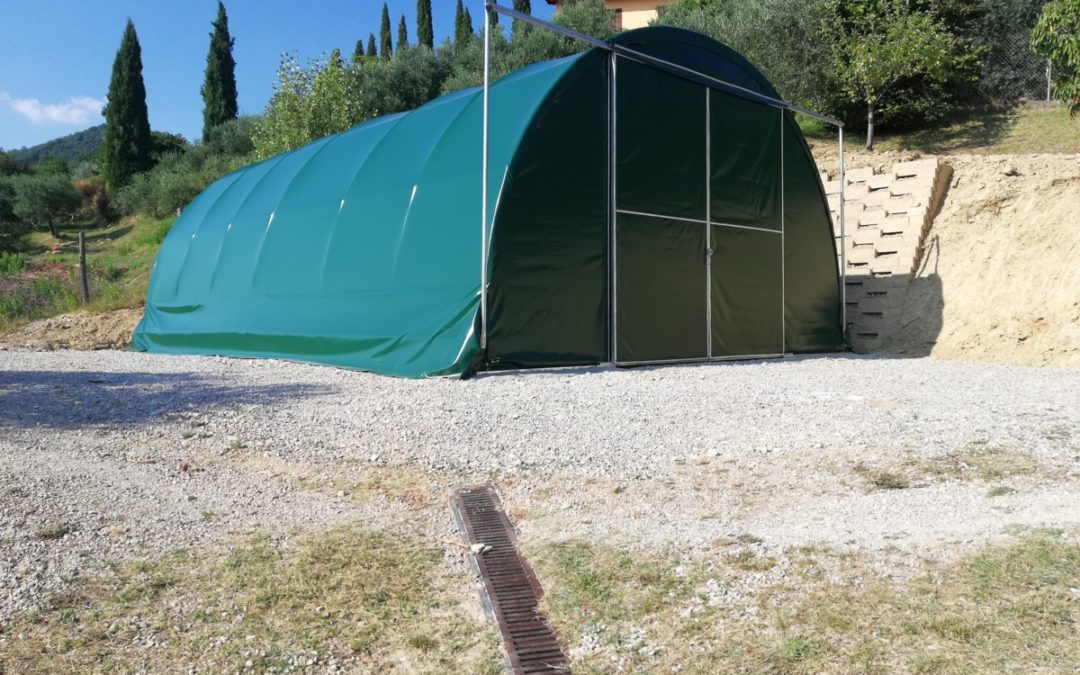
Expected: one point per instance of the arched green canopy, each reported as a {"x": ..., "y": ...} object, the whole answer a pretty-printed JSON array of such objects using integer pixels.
[{"x": 362, "y": 249}]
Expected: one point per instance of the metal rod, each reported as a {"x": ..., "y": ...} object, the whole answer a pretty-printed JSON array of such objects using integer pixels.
[
  {"x": 783, "y": 270},
  {"x": 708, "y": 224},
  {"x": 646, "y": 58},
  {"x": 484, "y": 186},
  {"x": 843, "y": 247},
  {"x": 1049, "y": 77},
  {"x": 613, "y": 158}
]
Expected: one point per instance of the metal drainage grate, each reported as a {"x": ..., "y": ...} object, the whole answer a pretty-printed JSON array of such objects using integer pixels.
[{"x": 509, "y": 589}]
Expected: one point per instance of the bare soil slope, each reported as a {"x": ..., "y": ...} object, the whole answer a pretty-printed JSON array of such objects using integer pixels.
[
  {"x": 84, "y": 330},
  {"x": 1005, "y": 251}
]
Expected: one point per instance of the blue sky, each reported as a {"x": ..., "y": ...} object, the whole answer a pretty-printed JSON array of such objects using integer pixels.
[{"x": 56, "y": 55}]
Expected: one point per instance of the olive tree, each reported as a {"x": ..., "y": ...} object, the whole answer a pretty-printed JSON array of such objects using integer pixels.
[
  {"x": 878, "y": 44},
  {"x": 1057, "y": 38}
]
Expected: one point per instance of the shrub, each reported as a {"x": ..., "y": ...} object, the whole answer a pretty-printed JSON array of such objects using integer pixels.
[{"x": 11, "y": 263}]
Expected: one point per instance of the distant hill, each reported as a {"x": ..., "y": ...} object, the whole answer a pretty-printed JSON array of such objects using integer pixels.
[{"x": 68, "y": 148}]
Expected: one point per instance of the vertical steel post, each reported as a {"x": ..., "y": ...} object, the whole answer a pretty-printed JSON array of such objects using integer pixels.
[
  {"x": 843, "y": 247},
  {"x": 708, "y": 223},
  {"x": 783, "y": 261},
  {"x": 613, "y": 206},
  {"x": 1049, "y": 77},
  {"x": 484, "y": 179}
]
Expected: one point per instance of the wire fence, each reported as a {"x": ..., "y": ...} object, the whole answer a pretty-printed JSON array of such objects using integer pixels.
[{"x": 1012, "y": 72}]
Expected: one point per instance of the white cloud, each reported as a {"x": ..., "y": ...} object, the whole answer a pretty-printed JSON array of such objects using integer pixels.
[{"x": 75, "y": 110}]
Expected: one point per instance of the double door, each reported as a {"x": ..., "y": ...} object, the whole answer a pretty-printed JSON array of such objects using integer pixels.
[{"x": 698, "y": 267}]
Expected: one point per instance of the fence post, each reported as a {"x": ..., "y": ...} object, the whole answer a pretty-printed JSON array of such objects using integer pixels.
[
  {"x": 1049, "y": 77},
  {"x": 82, "y": 267}
]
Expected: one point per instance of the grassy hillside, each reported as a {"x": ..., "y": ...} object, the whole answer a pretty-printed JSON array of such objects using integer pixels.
[
  {"x": 42, "y": 280},
  {"x": 68, "y": 148},
  {"x": 1034, "y": 129}
]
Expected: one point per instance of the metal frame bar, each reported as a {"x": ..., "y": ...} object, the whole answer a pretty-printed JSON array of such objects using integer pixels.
[
  {"x": 484, "y": 186},
  {"x": 783, "y": 256},
  {"x": 710, "y": 81},
  {"x": 613, "y": 277},
  {"x": 684, "y": 219},
  {"x": 708, "y": 224},
  {"x": 740, "y": 357},
  {"x": 843, "y": 249}
]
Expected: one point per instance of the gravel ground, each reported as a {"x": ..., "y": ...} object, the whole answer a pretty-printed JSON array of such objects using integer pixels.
[{"x": 116, "y": 455}]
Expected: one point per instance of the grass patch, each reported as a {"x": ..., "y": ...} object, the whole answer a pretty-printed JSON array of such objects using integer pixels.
[
  {"x": 1000, "y": 491},
  {"x": 1029, "y": 129},
  {"x": 54, "y": 531},
  {"x": 366, "y": 600},
  {"x": 43, "y": 281},
  {"x": 11, "y": 263},
  {"x": 1006, "y": 609}
]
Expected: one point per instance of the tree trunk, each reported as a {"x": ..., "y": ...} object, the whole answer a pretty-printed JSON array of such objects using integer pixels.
[
  {"x": 870, "y": 126},
  {"x": 52, "y": 229}
]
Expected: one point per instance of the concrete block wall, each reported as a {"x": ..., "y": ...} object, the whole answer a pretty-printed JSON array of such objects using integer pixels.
[{"x": 887, "y": 218}]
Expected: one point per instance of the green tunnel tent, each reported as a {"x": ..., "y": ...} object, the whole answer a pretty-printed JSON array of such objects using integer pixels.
[{"x": 699, "y": 231}]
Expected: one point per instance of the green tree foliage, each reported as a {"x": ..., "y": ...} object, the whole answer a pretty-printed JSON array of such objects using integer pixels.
[
  {"x": 782, "y": 38},
  {"x": 127, "y": 143},
  {"x": 164, "y": 143},
  {"x": 179, "y": 176},
  {"x": 7, "y": 166},
  {"x": 219, "y": 85},
  {"x": 591, "y": 17},
  {"x": 308, "y": 103},
  {"x": 71, "y": 148},
  {"x": 525, "y": 7},
  {"x": 386, "y": 47},
  {"x": 402, "y": 35},
  {"x": 358, "y": 51},
  {"x": 12, "y": 228},
  {"x": 425, "y": 33},
  {"x": 1057, "y": 38},
  {"x": 882, "y": 43},
  {"x": 371, "y": 45},
  {"x": 52, "y": 165},
  {"x": 410, "y": 80},
  {"x": 330, "y": 109},
  {"x": 43, "y": 200}
]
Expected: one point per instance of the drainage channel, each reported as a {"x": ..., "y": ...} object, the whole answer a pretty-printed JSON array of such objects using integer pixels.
[{"x": 509, "y": 588}]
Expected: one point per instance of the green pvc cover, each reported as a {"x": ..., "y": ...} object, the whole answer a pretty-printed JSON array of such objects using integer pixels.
[
  {"x": 357, "y": 250},
  {"x": 361, "y": 250}
]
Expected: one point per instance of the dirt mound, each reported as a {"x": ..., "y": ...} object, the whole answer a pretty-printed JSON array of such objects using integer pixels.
[
  {"x": 103, "y": 330},
  {"x": 1002, "y": 264}
]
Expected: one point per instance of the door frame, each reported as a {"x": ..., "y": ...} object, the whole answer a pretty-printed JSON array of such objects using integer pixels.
[{"x": 708, "y": 224}]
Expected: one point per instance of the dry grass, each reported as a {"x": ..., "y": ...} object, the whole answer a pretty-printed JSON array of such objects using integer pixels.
[
  {"x": 365, "y": 600},
  {"x": 1007, "y": 609},
  {"x": 976, "y": 462},
  {"x": 1029, "y": 129}
]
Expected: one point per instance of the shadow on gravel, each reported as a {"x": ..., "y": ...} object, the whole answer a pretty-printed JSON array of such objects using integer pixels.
[{"x": 73, "y": 399}]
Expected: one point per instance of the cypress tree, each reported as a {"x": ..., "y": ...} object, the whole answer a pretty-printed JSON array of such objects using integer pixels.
[
  {"x": 459, "y": 24},
  {"x": 425, "y": 33},
  {"x": 466, "y": 23},
  {"x": 371, "y": 45},
  {"x": 127, "y": 143},
  {"x": 358, "y": 51},
  {"x": 402, "y": 35},
  {"x": 219, "y": 87},
  {"x": 525, "y": 7},
  {"x": 386, "y": 49}
]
